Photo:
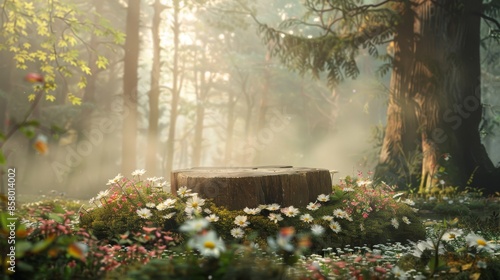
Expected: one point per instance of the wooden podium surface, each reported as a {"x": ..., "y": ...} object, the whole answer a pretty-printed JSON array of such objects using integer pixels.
[{"x": 240, "y": 187}]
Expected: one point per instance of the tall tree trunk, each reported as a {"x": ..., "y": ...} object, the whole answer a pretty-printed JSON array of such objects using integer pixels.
[
  {"x": 202, "y": 87},
  {"x": 264, "y": 104},
  {"x": 231, "y": 103},
  {"x": 154, "y": 93},
  {"x": 85, "y": 120},
  {"x": 130, "y": 80},
  {"x": 435, "y": 99},
  {"x": 175, "y": 90}
]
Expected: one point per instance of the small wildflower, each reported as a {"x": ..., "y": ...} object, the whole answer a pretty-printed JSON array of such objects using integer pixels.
[
  {"x": 395, "y": 223},
  {"x": 474, "y": 240},
  {"x": 212, "y": 218},
  {"x": 323, "y": 197},
  {"x": 102, "y": 194},
  {"x": 168, "y": 216},
  {"x": 275, "y": 217},
  {"x": 317, "y": 230},
  {"x": 273, "y": 207},
  {"x": 327, "y": 218},
  {"x": 209, "y": 245},
  {"x": 237, "y": 232},
  {"x": 406, "y": 220},
  {"x": 409, "y": 202},
  {"x": 196, "y": 225},
  {"x": 307, "y": 218},
  {"x": 115, "y": 180},
  {"x": 183, "y": 191},
  {"x": 339, "y": 213},
  {"x": 161, "y": 206},
  {"x": 241, "y": 221},
  {"x": 195, "y": 202},
  {"x": 335, "y": 226},
  {"x": 452, "y": 234},
  {"x": 252, "y": 211},
  {"x": 150, "y": 205},
  {"x": 399, "y": 273},
  {"x": 144, "y": 213},
  {"x": 313, "y": 206},
  {"x": 138, "y": 172},
  {"x": 290, "y": 211}
]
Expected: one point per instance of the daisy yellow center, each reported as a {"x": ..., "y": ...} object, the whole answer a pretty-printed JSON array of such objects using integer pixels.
[
  {"x": 452, "y": 236},
  {"x": 209, "y": 244},
  {"x": 481, "y": 242},
  {"x": 194, "y": 204}
]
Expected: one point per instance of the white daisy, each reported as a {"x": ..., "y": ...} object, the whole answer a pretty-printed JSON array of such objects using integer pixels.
[
  {"x": 115, "y": 180},
  {"x": 237, "y": 232},
  {"x": 212, "y": 218},
  {"x": 209, "y": 245},
  {"x": 195, "y": 202},
  {"x": 195, "y": 225},
  {"x": 395, "y": 223},
  {"x": 102, "y": 194},
  {"x": 452, "y": 234},
  {"x": 317, "y": 230},
  {"x": 273, "y": 207},
  {"x": 339, "y": 213},
  {"x": 474, "y": 240},
  {"x": 313, "y": 206},
  {"x": 327, "y": 218},
  {"x": 241, "y": 221},
  {"x": 144, "y": 213},
  {"x": 275, "y": 217},
  {"x": 307, "y": 218},
  {"x": 168, "y": 216},
  {"x": 169, "y": 203},
  {"x": 150, "y": 205},
  {"x": 290, "y": 211},
  {"x": 183, "y": 191},
  {"x": 406, "y": 220},
  {"x": 323, "y": 197},
  {"x": 335, "y": 226},
  {"x": 138, "y": 172},
  {"x": 251, "y": 211},
  {"x": 161, "y": 206}
]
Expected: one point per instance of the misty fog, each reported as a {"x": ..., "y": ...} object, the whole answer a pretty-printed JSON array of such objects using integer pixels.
[{"x": 255, "y": 111}]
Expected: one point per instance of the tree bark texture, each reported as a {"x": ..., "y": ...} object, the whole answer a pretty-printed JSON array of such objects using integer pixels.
[
  {"x": 130, "y": 80},
  {"x": 176, "y": 88},
  {"x": 154, "y": 93},
  {"x": 435, "y": 99},
  {"x": 237, "y": 188}
]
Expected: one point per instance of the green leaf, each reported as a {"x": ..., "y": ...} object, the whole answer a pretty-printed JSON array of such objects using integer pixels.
[
  {"x": 28, "y": 131},
  {"x": 22, "y": 247},
  {"x": 42, "y": 245}
]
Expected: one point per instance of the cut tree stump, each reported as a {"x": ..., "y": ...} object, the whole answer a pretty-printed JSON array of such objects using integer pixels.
[{"x": 240, "y": 187}]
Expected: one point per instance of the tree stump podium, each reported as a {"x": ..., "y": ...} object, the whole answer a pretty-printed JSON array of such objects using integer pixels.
[{"x": 240, "y": 187}]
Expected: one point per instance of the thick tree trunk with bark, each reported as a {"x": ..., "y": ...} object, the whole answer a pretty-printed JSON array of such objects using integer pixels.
[{"x": 435, "y": 100}]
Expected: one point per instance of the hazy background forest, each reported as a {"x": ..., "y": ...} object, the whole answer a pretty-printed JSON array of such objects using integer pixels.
[{"x": 237, "y": 105}]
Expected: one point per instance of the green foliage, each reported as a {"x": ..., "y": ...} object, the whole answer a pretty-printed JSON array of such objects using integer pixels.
[
  {"x": 368, "y": 213},
  {"x": 49, "y": 35},
  {"x": 330, "y": 36}
]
